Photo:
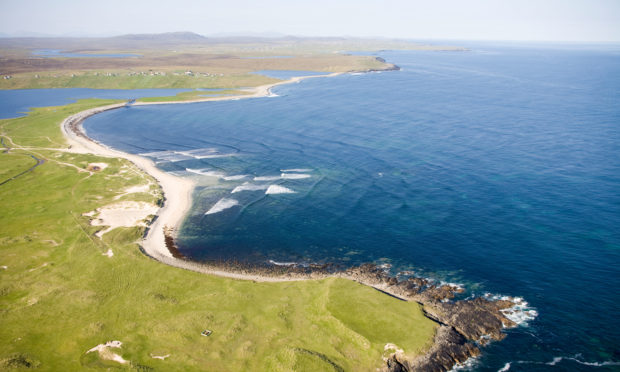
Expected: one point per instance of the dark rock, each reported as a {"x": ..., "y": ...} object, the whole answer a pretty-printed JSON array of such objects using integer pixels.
[
  {"x": 449, "y": 348},
  {"x": 476, "y": 319}
]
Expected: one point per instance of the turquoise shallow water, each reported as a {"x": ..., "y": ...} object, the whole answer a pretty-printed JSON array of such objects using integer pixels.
[{"x": 497, "y": 168}]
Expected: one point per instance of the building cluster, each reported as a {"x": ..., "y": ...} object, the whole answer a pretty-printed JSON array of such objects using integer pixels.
[{"x": 145, "y": 73}]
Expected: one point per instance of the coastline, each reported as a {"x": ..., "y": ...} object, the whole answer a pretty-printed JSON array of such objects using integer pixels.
[
  {"x": 177, "y": 191},
  {"x": 463, "y": 326}
]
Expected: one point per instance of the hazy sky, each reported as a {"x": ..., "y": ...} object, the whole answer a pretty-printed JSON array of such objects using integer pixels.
[{"x": 562, "y": 20}]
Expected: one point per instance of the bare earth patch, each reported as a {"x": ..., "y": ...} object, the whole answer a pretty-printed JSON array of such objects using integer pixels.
[
  {"x": 96, "y": 167},
  {"x": 122, "y": 214},
  {"x": 105, "y": 352},
  {"x": 162, "y": 357}
]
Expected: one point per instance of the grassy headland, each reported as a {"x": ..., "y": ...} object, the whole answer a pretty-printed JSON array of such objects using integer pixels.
[
  {"x": 61, "y": 294},
  {"x": 182, "y": 60}
]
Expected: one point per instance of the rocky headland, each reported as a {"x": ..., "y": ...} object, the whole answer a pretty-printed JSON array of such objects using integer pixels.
[{"x": 464, "y": 325}]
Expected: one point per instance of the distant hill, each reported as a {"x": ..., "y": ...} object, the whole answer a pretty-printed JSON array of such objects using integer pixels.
[
  {"x": 131, "y": 41},
  {"x": 168, "y": 37},
  {"x": 155, "y": 41},
  {"x": 21, "y": 47}
]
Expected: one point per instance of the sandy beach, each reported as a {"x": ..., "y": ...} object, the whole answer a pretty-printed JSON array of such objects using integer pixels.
[{"x": 177, "y": 190}]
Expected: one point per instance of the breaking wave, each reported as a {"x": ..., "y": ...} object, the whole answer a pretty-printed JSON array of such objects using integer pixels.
[
  {"x": 294, "y": 176},
  {"x": 267, "y": 178},
  {"x": 175, "y": 156},
  {"x": 283, "y": 176},
  {"x": 557, "y": 360},
  {"x": 505, "y": 368},
  {"x": 282, "y": 263},
  {"x": 217, "y": 174},
  {"x": 521, "y": 313},
  {"x": 467, "y": 365},
  {"x": 297, "y": 170},
  {"x": 221, "y": 205},
  {"x": 235, "y": 178},
  {"x": 249, "y": 187},
  {"x": 575, "y": 359},
  {"x": 277, "y": 189},
  {"x": 206, "y": 172}
]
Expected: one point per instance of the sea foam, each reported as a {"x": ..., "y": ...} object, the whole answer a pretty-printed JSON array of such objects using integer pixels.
[
  {"x": 283, "y": 176},
  {"x": 210, "y": 173},
  {"x": 575, "y": 359},
  {"x": 296, "y": 170},
  {"x": 467, "y": 365},
  {"x": 277, "y": 189},
  {"x": 282, "y": 263},
  {"x": 221, "y": 205},
  {"x": 294, "y": 176},
  {"x": 235, "y": 178},
  {"x": 505, "y": 368},
  {"x": 521, "y": 313},
  {"x": 267, "y": 178},
  {"x": 204, "y": 172},
  {"x": 175, "y": 156},
  {"x": 249, "y": 187},
  {"x": 205, "y": 153}
]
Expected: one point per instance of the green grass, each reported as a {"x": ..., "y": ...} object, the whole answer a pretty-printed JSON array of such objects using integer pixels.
[
  {"x": 14, "y": 164},
  {"x": 194, "y": 94},
  {"x": 59, "y": 296},
  {"x": 122, "y": 81}
]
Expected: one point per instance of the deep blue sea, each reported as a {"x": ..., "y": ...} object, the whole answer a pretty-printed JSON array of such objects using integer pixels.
[{"x": 498, "y": 168}]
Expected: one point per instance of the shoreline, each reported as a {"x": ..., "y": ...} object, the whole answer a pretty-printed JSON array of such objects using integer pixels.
[
  {"x": 463, "y": 326},
  {"x": 177, "y": 191}
]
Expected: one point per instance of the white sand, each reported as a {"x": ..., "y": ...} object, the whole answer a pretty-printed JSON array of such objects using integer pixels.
[
  {"x": 122, "y": 214},
  {"x": 105, "y": 353},
  {"x": 176, "y": 190},
  {"x": 162, "y": 357}
]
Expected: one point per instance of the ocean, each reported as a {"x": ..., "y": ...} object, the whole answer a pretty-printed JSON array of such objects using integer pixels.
[{"x": 497, "y": 168}]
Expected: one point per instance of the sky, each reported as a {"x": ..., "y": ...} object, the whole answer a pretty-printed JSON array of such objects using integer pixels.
[{"x": 528, "y": 20}]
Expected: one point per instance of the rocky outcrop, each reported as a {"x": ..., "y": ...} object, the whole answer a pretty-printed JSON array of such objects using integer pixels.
[
  {"x": 464, "y": 325},
  {"x": 448, "y": 349},
  {"x": 479, "y": 319},
  {"x": 412, "y": 288}
]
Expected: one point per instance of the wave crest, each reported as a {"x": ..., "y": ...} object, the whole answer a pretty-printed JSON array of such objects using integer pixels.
[{"x": 221, "y": 205}]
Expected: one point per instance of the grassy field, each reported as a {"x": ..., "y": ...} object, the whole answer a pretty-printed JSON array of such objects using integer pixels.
[
  {"x": 177, "y": 71},
  {"x": 61, "y": 296},
  {"x": 193, "y": 95},
  {"x": 118, "y": 79}
]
